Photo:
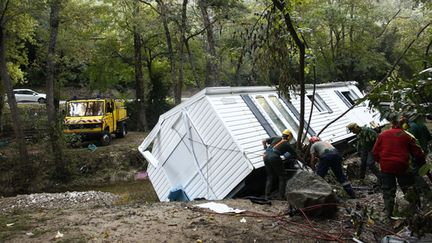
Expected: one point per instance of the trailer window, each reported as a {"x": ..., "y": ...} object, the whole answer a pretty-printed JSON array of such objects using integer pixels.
[
  {"x": 319, "y": 103},
  {"x": 276, "y": 120},
  {"x": 284, "y": 112},
  {"x": 348, "y": 97}
]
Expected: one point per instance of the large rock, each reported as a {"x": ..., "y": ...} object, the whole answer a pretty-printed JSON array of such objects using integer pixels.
[{"x": 311, "y": 193}]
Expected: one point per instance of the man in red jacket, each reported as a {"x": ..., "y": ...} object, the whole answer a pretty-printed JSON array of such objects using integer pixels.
[{"x": 393, "y": 150}]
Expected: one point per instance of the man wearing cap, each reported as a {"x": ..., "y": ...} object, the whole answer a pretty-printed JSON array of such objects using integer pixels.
[
  {"x": 329, "y": 158},
  {"x": 393, "y": 150},
  {"x": 277, "y": 149},
  {"x": 366, "y": 138}
]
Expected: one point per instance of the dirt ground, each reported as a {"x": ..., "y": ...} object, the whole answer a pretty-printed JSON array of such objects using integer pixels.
[
  {"x": 180, "y": 222},
  {"x": 106, "y": 217}
]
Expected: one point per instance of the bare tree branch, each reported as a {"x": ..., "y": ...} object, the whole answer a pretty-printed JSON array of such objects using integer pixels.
[
  {"x": 4, "y": 12},
  {"x": 125, "y": 59},
  {"x": 150, "y": 5},
  {"x": 201, "y": 31},
  {"x": 388, "y": 23},
  {"x": 427, "y": 54}
]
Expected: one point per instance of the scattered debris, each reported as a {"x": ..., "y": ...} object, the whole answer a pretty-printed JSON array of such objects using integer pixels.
[
  {"x": 59, "y": 235},
  {"x": 357, "y": 240},
  {"x": 92, "y": 147},
  {"x": 142, "y": 175},
  {"x": 393, "y": 239},
  {"x": 258, "y": 200},
  {"x": 219, "y": 207}
]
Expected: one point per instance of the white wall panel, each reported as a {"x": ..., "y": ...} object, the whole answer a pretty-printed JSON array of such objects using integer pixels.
[
  {"x": 223, "y": 151},
  {"x": 243, "y": 126}
]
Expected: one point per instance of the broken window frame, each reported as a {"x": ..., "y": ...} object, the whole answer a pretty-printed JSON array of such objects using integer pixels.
[
  {"x": 320, "y": 104},
  {"x": 349, "y": 97}
]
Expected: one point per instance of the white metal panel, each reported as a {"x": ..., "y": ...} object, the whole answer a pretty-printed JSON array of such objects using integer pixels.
[
  {"x": 150, "y": 158},
  {"x": 159, "y": 181},
  {"x": 224, "y": 153},
  {"x": 241, "y": 123}
]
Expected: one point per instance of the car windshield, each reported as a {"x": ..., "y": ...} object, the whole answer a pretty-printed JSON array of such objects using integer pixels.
[{"x": 88, "y": 108}]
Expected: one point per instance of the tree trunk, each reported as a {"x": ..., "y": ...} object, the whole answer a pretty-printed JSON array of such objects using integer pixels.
[
  {"x": 25, "y": 168},
  {"x": 426, "y": 62},
  {"x": 192, "y": 63},
  {"x": 280, "y": 4},
  {"x": 350, "y": 74},
  {"x": 139, "y": 77},
  {"x": 2, "y": 98},
  {"x": 164, "y": 12},
  {"x": 179, "y": 83},
  {"x": 54, "y": 128},
  {"x": 212, "y": 72}
]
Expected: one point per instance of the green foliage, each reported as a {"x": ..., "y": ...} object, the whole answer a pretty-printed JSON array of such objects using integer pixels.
[
  {"x": 19, "y": 30},
  {"x": 346, "y": 40},
  {"x": 274, "y": 53},
  {"x": 405, "y": 95}
]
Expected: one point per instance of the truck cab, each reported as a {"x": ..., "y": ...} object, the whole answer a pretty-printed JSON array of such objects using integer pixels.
[{"x": 96, "y": 118}]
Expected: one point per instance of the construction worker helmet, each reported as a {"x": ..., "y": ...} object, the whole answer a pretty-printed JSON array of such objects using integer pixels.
[
  {"x": 287, "y": 133},
  {"x": 352, "y": 126},
  {"x": 314, "y": 139}
]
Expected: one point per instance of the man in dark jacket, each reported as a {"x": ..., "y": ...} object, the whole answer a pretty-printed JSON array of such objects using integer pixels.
[
  {"x": 277, "y": 150},
  {"x": 392, "y": 151},
  {"x": 411, "y": 123},
  {"x": 366, "y": 138}
]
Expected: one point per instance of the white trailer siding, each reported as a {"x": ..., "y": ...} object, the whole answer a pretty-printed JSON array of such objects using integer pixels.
[
  {"x": 243, "y": 126},
  {"x": 223, "y": 153},
  {"x": 196, "y": 153}
]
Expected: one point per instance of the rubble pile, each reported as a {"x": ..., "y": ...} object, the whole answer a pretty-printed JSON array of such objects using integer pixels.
[{"x": 57, "y": 200}]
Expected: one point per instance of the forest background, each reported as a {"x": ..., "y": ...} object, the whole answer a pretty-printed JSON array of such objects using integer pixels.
[{"x": 162, "y": 48}]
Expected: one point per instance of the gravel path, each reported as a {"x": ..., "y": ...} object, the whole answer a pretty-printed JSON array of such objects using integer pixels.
[{"x": 64, "y": 200}]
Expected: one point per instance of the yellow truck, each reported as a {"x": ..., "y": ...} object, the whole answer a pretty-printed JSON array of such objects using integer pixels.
[{"x": 96, "y": 118}]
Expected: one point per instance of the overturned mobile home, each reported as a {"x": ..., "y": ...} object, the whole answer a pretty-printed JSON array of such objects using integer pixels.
[{"x": 209, "y": 146}]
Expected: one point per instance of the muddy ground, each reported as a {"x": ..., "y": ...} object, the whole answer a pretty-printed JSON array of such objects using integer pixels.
[
  {"x": 111, "y": 221},
  {"x": 167, "y": 222},
  {"x": 120, "y": 216}
]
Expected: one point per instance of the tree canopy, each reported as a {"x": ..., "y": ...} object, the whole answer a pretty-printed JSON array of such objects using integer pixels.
[{"x": 187, "y": 45}]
